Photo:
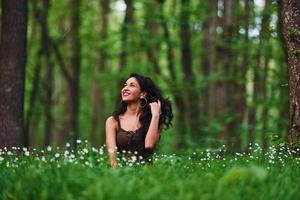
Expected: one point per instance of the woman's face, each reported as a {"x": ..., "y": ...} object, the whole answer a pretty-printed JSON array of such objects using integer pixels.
[{"x": 131, "y": 90}]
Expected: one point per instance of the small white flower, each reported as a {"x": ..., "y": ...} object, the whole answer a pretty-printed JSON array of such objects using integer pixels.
[
  {"x": 78, "y": 141},
  {"x": 1, "y": 158},
  {"x": 133, "y": 158},
  {"x": 26, "y": 153},
  {"x": 66, "y": 153},
  {"x": 49, "y": 148},
  {"x": 85, "y": 150},
  {"x": 56, "y": 155},
  {"x": 68, "y": 144}
]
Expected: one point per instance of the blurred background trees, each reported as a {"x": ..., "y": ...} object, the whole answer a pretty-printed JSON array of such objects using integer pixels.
[{"x": 223, "y": 63}]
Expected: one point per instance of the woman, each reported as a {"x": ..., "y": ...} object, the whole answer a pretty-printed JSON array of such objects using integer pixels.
[{"x": 136, "y": 125}]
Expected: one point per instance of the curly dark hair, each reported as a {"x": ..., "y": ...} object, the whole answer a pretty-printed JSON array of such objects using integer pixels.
[{"x": 152, "y": 95}]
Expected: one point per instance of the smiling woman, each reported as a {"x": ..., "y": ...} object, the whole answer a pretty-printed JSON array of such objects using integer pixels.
[{"x": 134, "y": 128}]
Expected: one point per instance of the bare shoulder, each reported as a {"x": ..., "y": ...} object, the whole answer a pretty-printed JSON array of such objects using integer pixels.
[{"x": 110, "y": 121}]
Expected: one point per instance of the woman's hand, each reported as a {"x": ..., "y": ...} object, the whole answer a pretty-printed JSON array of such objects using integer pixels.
[{"x": 155, "y": 108}]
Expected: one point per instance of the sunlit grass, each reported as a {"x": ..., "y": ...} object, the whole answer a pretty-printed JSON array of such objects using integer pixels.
[{"x": 62, "y": 173}]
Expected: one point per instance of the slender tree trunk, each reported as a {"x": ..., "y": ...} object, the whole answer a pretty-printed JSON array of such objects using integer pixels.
[
  {"x": 49, "y": 73},
  {"x": 29, "y": 116},
  {"x": 283, "y": 116},
  {"x": 259, "y": 88},
  {"x": 12, "y": 72},
  {"x": 179, "y": 101},
  {"x": 242, "y": 86},
  {"x": 152, "y": 27},
  {"x": 127, "y": 23},
  {"x": 227, "y": 63},
  {"x": 291, "y": 27},
  {"x": 71, "y": 127},
  {"x": 208, "y": 58},
  {"x": 98, "y": 113},
  {"x": 192, "y": 108},
  {"x": 265, "y": 110},
  {"x": 126, "y": 30}
]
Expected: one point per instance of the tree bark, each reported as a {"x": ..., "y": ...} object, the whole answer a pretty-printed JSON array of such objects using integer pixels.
[
  {"x": 291, "y": 27},
  {"x": 192, "y": 108},
  {"x": 72, "y": 73},
  {"x": 127, "y": 23},
  {"x": 179, "y": 101},
  {"x": 12, "y": 72},
  {"x": 49, "y": 73},
  {"x": 152, "y": 28},
  {"x": 226, "y": 90},
  {"x": 98, "y": 113},
  {"x": 260, "y": 72},
  {"x": 208, "y": 58}
]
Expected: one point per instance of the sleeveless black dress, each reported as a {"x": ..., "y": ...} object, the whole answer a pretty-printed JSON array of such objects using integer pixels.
[{"x": 132, "y": 143}]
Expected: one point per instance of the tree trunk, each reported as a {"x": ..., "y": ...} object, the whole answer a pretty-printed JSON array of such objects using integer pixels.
[
  {"x": 208, "y": 58},
  {"x": 259, "y": 71},
  {"x": 283, "y": 116},
  {"x": 291, "y": 27},
  {"x": 29, "y": 116},
  {"x": 98, "y": 113},
  {"x": 71, "y": 127},
  {"x": 242, "y": 85},
  {"x": 127, "y": 23},
  {"x": 192, "y": 108},
  {"x": 179, "y": 101},
  {"x": 227, "y": 66},
  {"x": 152, "y": 28},
  {"x": 12, "y": 72},
  {"x": 49, "y": 73}
]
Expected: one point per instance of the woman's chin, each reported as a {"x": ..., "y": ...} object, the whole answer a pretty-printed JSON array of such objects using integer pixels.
[{"x": 128, "y": 100}]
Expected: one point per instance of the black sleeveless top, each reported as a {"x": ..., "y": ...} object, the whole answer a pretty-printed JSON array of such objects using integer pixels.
[{"x": 132, "y": 143}]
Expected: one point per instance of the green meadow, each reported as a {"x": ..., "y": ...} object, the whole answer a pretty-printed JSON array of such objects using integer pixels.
[{"x": 62, "y": 173}]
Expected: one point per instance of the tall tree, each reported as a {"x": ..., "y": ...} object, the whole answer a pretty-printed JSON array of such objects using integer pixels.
[
  {"x": 97, "y": 95},
  {"x": 12, "y": 71},
  {"x": 260, "y": 72},
  {"x": 227, "y": 67},
  {"x": 291, "y": 27},
  {"x": 283, "y": 116},
  {"x": 208, "y": 57},
  {"x": 152, "y": 28},
  {"x": 173, "y": 81},
  {"x": 71, "y": 73},
  {"x": 246, "y": 57},
  {"x": 187, "y": 68},
  {"x": 29, "y": 115},
  {"x": 125, "y": 30},
  {"x": 49, "y": 72}
]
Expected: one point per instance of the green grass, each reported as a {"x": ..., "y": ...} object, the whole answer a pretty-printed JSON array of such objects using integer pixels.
[{"x": 62, "y": 174}]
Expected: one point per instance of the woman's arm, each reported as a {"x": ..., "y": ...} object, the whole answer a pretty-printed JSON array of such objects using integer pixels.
[
  {"x": 110, "y": 131},
  {"x": 153, "y": 133},
  {"x": 154, "y": 130}
]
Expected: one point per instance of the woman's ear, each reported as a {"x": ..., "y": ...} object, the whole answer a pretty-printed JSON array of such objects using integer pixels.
[{"x": 143, "y": 95}]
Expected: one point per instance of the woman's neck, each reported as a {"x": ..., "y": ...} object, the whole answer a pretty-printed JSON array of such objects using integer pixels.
[{"x": 133, "y": 109}]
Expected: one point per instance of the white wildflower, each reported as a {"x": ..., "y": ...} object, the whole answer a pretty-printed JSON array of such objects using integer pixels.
[{"x": 49, "y": 148}]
